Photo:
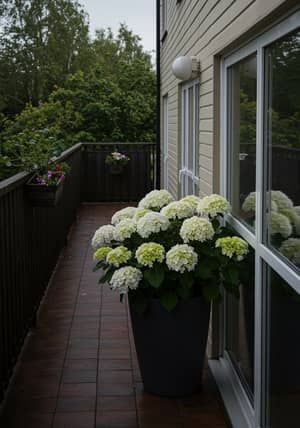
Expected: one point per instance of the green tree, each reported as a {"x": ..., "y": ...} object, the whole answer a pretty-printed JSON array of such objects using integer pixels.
[{"x": 41, "y": 43}]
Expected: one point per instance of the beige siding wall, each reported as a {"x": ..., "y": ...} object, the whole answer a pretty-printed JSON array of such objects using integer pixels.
[{"x": 206, "y": 28}]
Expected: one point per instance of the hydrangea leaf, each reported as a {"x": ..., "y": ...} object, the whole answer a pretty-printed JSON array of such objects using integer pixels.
[
  {"x": 169, "y": 300},
  {"x": 155, "y": 276}
]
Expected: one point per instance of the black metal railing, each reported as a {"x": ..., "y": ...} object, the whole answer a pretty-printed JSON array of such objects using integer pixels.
[{"x": 31, "y": 238}]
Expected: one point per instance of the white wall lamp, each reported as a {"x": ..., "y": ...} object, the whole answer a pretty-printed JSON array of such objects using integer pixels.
[{"x": 186, "y": 67}]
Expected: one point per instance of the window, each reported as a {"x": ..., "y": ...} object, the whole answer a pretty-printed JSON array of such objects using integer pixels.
[
  {"x": 188, "y": 174},
  {"x": 260, "y": 161},
  {"x": 165, "y": 141},
  {"x": 164, "y": 17}
]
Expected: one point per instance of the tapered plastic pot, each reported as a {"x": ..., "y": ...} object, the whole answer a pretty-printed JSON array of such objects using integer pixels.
[{"x": 171, "y": 346}]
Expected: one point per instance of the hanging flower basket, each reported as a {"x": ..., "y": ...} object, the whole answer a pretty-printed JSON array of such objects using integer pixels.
[
  {"x": 116, "y": 162},
  {"x": 116, "y": 169}
]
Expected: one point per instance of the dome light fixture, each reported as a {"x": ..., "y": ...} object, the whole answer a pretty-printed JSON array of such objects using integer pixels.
[{"x": 186, "y": 67}]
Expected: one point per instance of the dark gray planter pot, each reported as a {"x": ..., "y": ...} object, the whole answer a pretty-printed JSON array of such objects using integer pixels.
[{"x": 171, "y": 346}]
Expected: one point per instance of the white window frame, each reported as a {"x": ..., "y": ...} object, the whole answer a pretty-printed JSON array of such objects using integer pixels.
[
  {"x": 166, "y": 142},
  {"x": 252, "y": 417},
  {"x": 164, "y": 17},
  {"x": 185, "y": 173}
]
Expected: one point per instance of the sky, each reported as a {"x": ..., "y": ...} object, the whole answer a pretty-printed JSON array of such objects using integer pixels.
[{"x": 139, "y": 15}]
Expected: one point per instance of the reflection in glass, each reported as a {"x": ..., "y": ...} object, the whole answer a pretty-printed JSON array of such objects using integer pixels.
[
  {"x": 242, "y": 136},
  {"x": 284, "y": 354},
  {"x": 283, "y": 146},
  {"x": 240, "y": 326}
]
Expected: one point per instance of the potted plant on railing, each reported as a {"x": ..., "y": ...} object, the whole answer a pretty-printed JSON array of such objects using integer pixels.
[
  {"x": 37, "y": 155},
  {"x": 172, "y": 259},
  {"x": 116, "y": 162}
]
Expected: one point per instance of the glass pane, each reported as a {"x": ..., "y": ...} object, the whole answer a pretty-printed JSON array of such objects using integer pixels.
[
  {"x": 191, "y": 130},
  {"x": 284, "y": 354},
  {"x": 240, "y": 326},
  {"x": 196, "y": 142},
  {"x": 283, "y": 146},
  {"x": 242, "y": 137}
]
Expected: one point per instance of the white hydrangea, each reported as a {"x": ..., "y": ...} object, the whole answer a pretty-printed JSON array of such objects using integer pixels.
[
  {"x": 196, "y": 229},
  {"x": 213, "y": 205},
  {"x": 282, "y": 201},
  {"x": 118, "y": 256},
  {"x": 291, "y": 249},
  {"x": 149, "y": 253},
  {"x": 297, "y": 210},
  {"x": 156, "y": 199},
  {"x": 192, "y": 200},
  {"x": 123, "y": 214},
  {"x": 249, "y": 203},
  {"x": 280, "y": 224},
  {"x": 125, "y": 279},
  {"x": 177, "y": 209},
  {"x": 103, "y": 237},
  {"x": 125, "y": 229},
  {"x": 181, "y": 258},
  {"x": 152, "y": 223},
  {"x": 140, "y": 212}
]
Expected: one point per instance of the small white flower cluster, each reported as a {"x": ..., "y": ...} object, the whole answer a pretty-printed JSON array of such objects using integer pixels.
[
  {"x": 140, "y": 212},
  {"x": 125, "y": 279},
  {"x": 196, "y": 229},
  {"x": 149, "y": 253},
  {"x": 181, "y": 258},
  {"x": 213, "y": 205},
  {"x": 291, "y": 249},
  {"x": 123, "y": 214},
  {"x": 103, "y": 237},
  {"x": 156, "y": 199},
  {"x": 281, "y": 200},
  {"x": 177, "y": 209},
  {"x": 125, "y": 229},
  {"x": 152, "y": 223},
  {"x": 118, "y": 256}
]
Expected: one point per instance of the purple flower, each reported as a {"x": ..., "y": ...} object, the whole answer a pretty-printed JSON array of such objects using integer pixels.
[
  {"x": 62, "y": 177},
  {"x": 49, "y": 174}
]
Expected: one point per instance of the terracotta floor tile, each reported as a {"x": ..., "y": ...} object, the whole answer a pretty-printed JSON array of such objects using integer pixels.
[
  {"x": 74, "y": 420},
  {"x": 116, "y": 419},
  {"x": 121, "y": 403},
  {"x": 76, "y": 404}
]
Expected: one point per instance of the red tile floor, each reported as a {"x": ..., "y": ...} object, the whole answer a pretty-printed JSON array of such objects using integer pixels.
[{"x": 79, "y": 368}]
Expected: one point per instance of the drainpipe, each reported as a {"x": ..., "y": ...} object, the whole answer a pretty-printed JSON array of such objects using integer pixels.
[{"x": 158, "y": 94}]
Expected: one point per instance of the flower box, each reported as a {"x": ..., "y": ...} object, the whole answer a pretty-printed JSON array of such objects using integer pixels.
[{"x": 43, "y": 195}]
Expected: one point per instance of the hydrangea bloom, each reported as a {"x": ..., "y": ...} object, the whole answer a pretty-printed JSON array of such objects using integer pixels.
[
  {"x": 196, "y": 229},
  {"x": 249, "y": 203},
  {"x": 125, "y": 279},
  {"x": 213, "y": 205},
  {"x": 281, "y": 200},
  {"x": 125, "y": 229},
  {"x": 297, "y": 210},
  {"x": 292, "y": 215},
  {"x": 177, "y": 210},
  {"x": 123, "y": 214},
  {"x": 233, "y": 246},
  {"x": 118, "y": 256},
  {"x": 156, "y": 199},
  {"x": 101, "y": 254},
  {"x": 152, "y": 223},
  {"x": 291, "y": 249},
  {"x": 280, "y": 224},
  {"x": 103, "y": 236},
  {"x": 140, "y": 212},
  {"x": 149, "y": 253},
  {"x": 181, "y": 258},
  {"x": 192, "y": 200}
]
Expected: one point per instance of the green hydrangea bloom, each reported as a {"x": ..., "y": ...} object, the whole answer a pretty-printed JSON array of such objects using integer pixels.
[
  {"x": 149, "y": 253},
  {"x": 101, "y": 254},
  {"x": 118, "y": 256},
  {"x": 233, "y": 246}
]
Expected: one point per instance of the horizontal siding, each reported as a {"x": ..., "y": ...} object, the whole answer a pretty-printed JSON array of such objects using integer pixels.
[{"x": 202, "y": 28}]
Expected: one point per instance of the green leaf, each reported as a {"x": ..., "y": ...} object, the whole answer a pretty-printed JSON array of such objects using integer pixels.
[
  {"x": 211, "y": 291},
  {"x": 155, "y": 276},
  {"x": 99, "y": 265},
  {"x": 204, "y": 271},
  {"x": 169, "y": 300},
  {"x": 107, "y": 277},
  {"x": 231, "y": 274},
  {"x": 184, "y": 292},
  {"x": 186, "y": 280}
]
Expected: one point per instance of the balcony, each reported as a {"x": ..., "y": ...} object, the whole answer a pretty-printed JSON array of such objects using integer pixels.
[{"x": 67, "y": 353}]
